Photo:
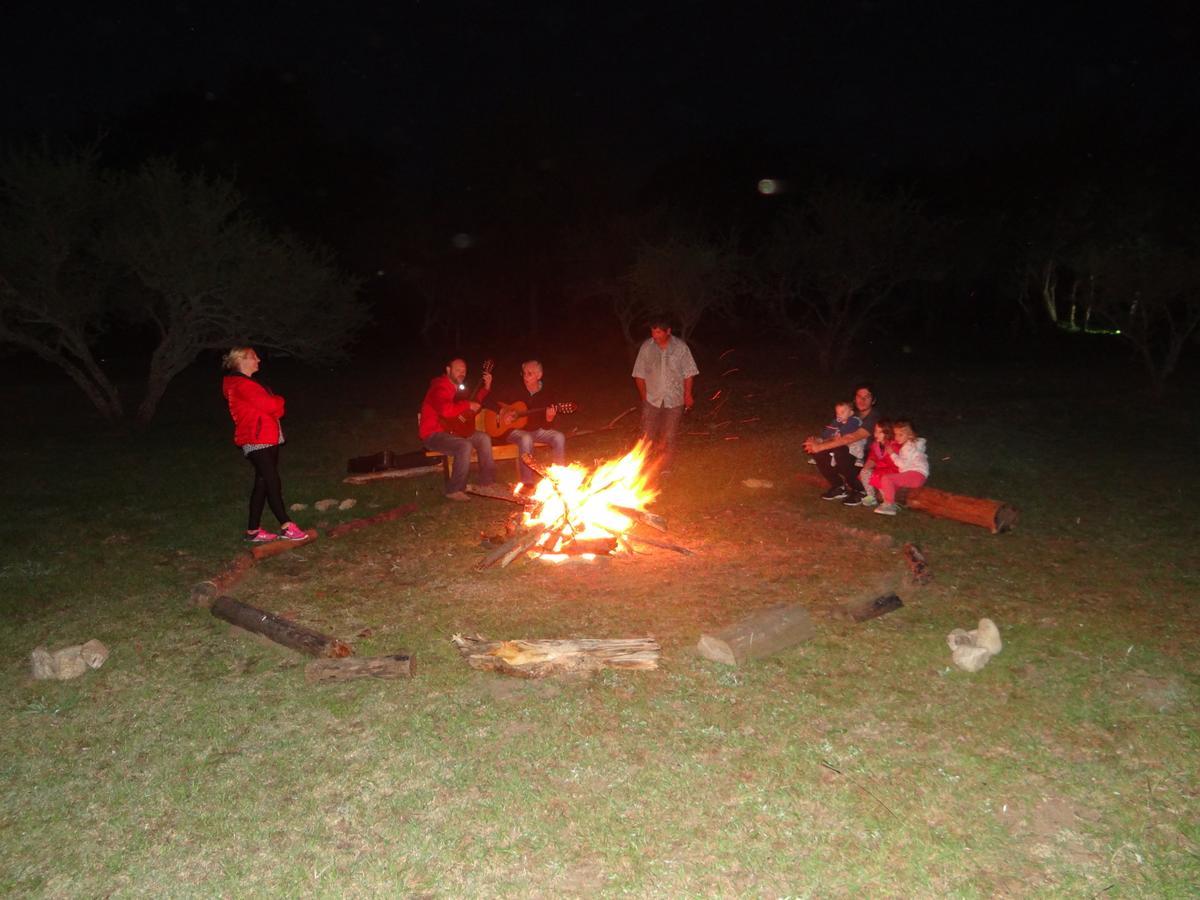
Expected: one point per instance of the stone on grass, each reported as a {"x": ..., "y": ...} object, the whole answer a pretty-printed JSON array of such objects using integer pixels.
[
  {"x": 325, "y": 505},
  {"x": 971, "y": 650},
  {"x": 347, "y": 504},
  {"x": 69, "y": 662},
  {"x": 298, "y": 507}
]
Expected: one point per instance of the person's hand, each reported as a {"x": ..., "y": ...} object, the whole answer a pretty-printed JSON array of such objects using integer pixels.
[
  {"x": 487, "y": 380},
  {"x": 688, "y": 402},
  {"x": 551, "y": 412},
  {"x": 474, "y": 406},
  {"x": 810, "y": 444}
]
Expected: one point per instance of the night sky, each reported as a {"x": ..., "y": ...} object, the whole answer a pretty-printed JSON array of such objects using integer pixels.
[{"x": 879, "y": 83}]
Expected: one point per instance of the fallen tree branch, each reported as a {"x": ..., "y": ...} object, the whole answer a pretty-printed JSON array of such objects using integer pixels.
[{"x": 280, "y": 630}]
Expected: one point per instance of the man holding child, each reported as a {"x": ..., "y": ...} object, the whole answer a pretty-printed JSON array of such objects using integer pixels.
[{"x": 841, "y": 447}]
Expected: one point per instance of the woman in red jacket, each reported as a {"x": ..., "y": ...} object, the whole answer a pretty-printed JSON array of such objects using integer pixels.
[{"x": 256, "y": 413}]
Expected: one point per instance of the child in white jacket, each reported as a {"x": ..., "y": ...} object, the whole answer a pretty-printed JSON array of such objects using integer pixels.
[{"x": 910, "y": 460}]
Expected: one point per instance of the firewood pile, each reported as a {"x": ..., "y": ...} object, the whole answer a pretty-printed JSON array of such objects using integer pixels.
[{"x": 578, "y": 514}]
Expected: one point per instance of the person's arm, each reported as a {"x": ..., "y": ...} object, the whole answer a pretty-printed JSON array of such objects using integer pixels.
[
  {"x": 641, "y": 386},
  {"x": 812, "y": 445},
  {"x": 688, "y": 401}
]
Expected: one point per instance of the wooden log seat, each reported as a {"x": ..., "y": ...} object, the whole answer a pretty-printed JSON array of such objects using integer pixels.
[{"x": 500, "y": 451}]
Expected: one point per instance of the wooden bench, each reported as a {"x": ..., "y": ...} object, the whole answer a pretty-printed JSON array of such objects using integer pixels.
[{"x": 500, "y": 452}]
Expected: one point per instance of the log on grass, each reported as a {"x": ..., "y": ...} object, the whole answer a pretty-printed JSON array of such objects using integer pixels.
[
  {"x": 540, "y": 658},
  {"x": 278, "y": 629},
  {"x": 205, "y": 592},
  {"x": 274, "y": 548},
  {"x": 864, "y": 608},
  {"x": 356, "y": 524},
  {"x": 760, "y": 634},
  {"x": 386, "y": 474},
  {"x": 917, "y": 564},
  {"x": 398, "y": 665},
  {"x": 993, "y": 515}
]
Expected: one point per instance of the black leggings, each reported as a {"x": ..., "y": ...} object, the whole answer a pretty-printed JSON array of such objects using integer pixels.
[
  {"x": 267, "y": 486},
  {"x": 840, "y": 469}
]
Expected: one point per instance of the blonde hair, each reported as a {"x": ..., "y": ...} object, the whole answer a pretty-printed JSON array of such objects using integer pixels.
[{"x": 231, "y": 359}]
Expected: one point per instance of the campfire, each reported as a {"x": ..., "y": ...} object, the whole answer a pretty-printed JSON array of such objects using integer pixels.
[{"x": 576, "y": 512}]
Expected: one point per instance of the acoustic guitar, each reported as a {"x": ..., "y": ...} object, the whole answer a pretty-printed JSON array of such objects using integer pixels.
[
  {"x": 516, "y": 415},
  {"x": 463, "y": 425}
]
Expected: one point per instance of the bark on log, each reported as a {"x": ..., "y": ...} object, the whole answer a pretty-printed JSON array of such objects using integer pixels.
[
  {"x": 356, "y": 524},
  {"x": 399, "y": 665},
  {"x": 865, "y": 608},
  {"x": 760, "y": 634},
  {"x": 280, "y": 630},
  {"x": 274, "y": 548},
  {"x": 204, "y": 592},
  {"x": 994, "y": 515},
  {"x": 537, "y": 659}
]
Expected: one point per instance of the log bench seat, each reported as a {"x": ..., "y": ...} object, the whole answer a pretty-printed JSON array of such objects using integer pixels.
[{"x": 500, "y": 452}]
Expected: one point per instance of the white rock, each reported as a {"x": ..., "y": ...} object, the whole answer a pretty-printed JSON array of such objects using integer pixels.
[
  {"x": 324, "y": 505},
  {"x": 970, "y": 658},
  {"x": 94, "y": 653},
  {"x": 959, "y": 638},
  {"x": 348, "y": 503},
  {"x": 60, "y": 665},
  {"x": 987, "y": 636},
  {"x": 297, "y": 507}
]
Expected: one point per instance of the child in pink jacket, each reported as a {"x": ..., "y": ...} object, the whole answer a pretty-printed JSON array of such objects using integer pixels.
[{"x": 912, "y": 467}]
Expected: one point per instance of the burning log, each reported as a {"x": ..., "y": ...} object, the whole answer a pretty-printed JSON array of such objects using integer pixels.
[
  {"x": 511, "y": 549},
  {"x": 399, "y": 665},
  {"x": 538, "y": 659},
  {"x": 640, "y": 515},
  {"x": 761, "y": 634},
  {"x": 280, "y": 630},
  {"x": 662, "y": 545}
]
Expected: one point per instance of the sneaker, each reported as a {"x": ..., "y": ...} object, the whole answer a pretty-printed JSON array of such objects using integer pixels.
[
  {"x": 293, "y": 532},
  {"x": 260, "y": 536},
  {"x": 811, "y": 461},
  {"x": 854, "y": 498},
  {"x": 869, "y": 500},
  {"x": 887, "y": 509},
  {"x": 458, "y": 495},
  {"x": 835, "y": 493}
]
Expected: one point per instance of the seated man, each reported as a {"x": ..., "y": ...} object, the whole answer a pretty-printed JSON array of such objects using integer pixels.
[
  {"x": 447, "y": 426},
  {"x": 838, "y": 457},
  {"x": 534, "y": 421}
]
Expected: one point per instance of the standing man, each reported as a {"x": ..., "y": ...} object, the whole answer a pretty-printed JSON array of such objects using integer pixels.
[
  {"x": 444, "y": 403},
  {"x": 536, "y": 428},
  {"x": 664, "y": 373},
  {"x": 835, "y": 460}
]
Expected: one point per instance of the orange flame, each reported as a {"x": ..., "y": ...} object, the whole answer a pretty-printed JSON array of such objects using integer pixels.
[{"x": 577, "y": 504}]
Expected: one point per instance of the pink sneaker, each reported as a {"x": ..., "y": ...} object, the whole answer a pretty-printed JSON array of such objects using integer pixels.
[
  {"x": 293, "y": 532},
  {"x": 260, "y": 537}
]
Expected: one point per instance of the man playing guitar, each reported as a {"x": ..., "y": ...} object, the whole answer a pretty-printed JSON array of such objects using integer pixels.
[
  {"x": 447, "y": 425},
  {"x": 537, "y": 409}
]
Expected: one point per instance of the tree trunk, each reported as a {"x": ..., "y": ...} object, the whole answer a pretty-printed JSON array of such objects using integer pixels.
[
  {"x": 280, "y": 630},
  {"x": 993, "y": 515},
  {"x": 761, "y": 634}
]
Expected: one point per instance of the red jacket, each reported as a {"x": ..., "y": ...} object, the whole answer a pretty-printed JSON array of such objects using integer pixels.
[
  {"x": 442, "y": 402},
  {"x": 255, "y": 410}
]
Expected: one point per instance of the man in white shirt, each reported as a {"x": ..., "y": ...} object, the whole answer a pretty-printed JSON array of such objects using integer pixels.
[{"x": 664, "y": 373}]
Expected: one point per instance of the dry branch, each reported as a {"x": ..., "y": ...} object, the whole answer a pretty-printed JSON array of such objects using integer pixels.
[
  {"x": 368, "y": 477},
  {"x": 537, "y": 659},
  {"x": 917, "y": 564},
  {"x": 641, "y": 515},
  {"x": 511, "y": 549}
]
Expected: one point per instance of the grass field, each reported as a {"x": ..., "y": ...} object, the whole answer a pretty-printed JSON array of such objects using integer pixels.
[{"x": 199, "y": 762}]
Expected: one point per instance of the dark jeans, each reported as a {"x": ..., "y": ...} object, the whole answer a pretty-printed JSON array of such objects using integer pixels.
[
  {"x": 459, "y": 451},
  {"x": 660, "y": 424},
  {"x": 837, "y": 467},
  {"x": 267, "y": 486}
]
